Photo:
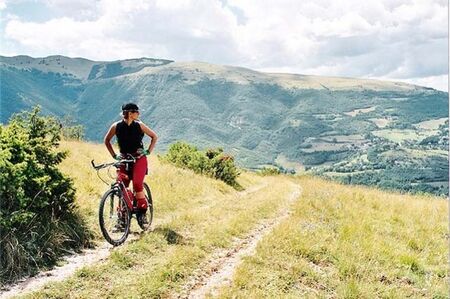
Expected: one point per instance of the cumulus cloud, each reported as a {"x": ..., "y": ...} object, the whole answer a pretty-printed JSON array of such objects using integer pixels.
[
  {"x": 137, "y": 28},
  {"x": 78, "y": 10},
  {"x": 395, "y": 39},
  {"x": 437, "y": 82}
]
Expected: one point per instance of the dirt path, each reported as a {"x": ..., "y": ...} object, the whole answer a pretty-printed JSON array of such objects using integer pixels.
[
  {"x": 218, "y": 270},
  {"x": 73, "y": 262},
  {"x": 77, "y": 261}
]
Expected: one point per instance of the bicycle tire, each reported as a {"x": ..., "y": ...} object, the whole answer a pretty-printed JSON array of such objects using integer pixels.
[
  {"x": 114, "y": 203},
  {"x": 149, "y": 212}
]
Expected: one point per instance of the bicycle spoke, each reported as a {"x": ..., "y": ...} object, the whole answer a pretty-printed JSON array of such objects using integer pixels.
[{"x": 114, "y": 217}]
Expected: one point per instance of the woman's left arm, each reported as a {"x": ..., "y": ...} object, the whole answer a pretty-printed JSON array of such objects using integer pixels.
[{"x": 151, "y": 134}]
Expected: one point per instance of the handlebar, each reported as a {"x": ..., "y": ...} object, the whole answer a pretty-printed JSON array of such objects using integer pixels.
[{"x": 117, "y": 164}]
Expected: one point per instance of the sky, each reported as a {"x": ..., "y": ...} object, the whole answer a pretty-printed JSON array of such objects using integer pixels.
[{"x": 397, "y": 40}]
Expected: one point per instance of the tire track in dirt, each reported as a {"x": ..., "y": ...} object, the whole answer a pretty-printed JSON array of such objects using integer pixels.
[
  {"x": 218, "y": 270},
  {"x": 76, "y": 261}
]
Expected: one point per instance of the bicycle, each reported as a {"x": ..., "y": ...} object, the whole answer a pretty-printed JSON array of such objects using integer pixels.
[{"x": 118, "y": 205}]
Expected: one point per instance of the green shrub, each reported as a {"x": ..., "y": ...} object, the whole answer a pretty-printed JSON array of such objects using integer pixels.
[
  {"x": 213, "y": 162},
  {"x": 269, "y": 171},
  {"x": 73, "y": 132},
  {"x": 38, "y": 219},
  {"x": 223, "y": 168},
  {"x": 70, "y": 130}
]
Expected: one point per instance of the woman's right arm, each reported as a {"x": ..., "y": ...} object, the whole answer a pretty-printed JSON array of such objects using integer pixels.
[{"x": 107, "y": 139}]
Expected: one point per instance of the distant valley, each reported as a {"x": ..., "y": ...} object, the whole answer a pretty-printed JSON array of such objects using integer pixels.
[{"x": 388, "y": 134}]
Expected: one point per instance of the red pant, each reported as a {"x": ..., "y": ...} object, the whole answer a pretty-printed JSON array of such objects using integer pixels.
[{"x": 139, "y": 170}]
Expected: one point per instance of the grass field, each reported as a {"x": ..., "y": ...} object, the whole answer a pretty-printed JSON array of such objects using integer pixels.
[
  {"x": 194, "y": 215},
  {"x": 285, "y": 163},
  {"x": 351, "y": 242},
  {"x": 338, "y": 242},
  {"x": 358, "y": 111},
  {"x": 432, "y": 124},
  {"x": 380, "y": 122},
  {"x": 397, "y": 135}
]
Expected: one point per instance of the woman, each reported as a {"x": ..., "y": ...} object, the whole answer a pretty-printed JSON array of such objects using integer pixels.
[{"x": 129, "y": 133}]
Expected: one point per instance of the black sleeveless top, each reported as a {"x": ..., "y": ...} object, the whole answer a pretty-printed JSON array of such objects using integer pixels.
[{"x": 129, "y": 137}]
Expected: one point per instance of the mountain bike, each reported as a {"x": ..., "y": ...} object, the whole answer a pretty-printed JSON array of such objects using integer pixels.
[{"x": 118, "y": 205}]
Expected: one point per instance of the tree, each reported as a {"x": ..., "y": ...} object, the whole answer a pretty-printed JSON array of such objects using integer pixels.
[
  {"x": 38, "y": 218},
  {"x": 70, "y": 130}
]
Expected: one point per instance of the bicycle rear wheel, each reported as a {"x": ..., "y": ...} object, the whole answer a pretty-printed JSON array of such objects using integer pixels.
[
  {"x": 145, "y": 220},
  {"x": 114, "y": 217}
]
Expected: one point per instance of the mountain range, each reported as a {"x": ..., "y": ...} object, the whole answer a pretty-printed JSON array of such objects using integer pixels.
[{"x": 389, "y": 134}]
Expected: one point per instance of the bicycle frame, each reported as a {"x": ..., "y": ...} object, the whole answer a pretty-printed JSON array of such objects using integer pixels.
[{"x": 119, "y": 184}]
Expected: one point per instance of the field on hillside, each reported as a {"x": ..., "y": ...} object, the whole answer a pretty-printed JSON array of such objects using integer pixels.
[
  {"x": 351, "y": 242},
  {"x": 335, "y": 242}
]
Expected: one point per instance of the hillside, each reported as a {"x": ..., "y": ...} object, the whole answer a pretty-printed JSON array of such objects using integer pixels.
[
  {"x": 389, "y": 134},
  {"x": 312, "y": 238}
]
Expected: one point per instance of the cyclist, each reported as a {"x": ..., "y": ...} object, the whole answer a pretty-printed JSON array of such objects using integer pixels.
[{"x": 129, "y": 133}]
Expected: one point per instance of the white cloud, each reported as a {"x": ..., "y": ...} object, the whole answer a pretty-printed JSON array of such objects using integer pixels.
[
  {"x": 407, "y": 39},
  {"x": 397, "y": 39},
  {"x": 436, "y": 82},
  {"x": 80, "y": 9},
  {"x": 140, "y": 28}
]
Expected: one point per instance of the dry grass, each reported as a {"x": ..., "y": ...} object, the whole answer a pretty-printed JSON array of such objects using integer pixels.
[
  {"x": 340, "y": 241},
  {"x": 351, "y": 242},
  {"x": 196, "y": 216}
]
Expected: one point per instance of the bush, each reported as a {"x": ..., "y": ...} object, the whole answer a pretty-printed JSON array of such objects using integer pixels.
[
  {"x": 73, "y": 132},
  {"x": 269, "y": 171},
  {"x": 70, "y": 130},
  {"x": 213, "y": 162},
  {"x": 38, "y": 219}
]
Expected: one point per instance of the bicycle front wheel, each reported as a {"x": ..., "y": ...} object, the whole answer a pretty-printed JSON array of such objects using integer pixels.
[{"x": 114, "y": 217}]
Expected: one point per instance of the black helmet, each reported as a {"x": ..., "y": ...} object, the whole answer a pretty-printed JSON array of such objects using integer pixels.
[{"x": 130, "y": 107}]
